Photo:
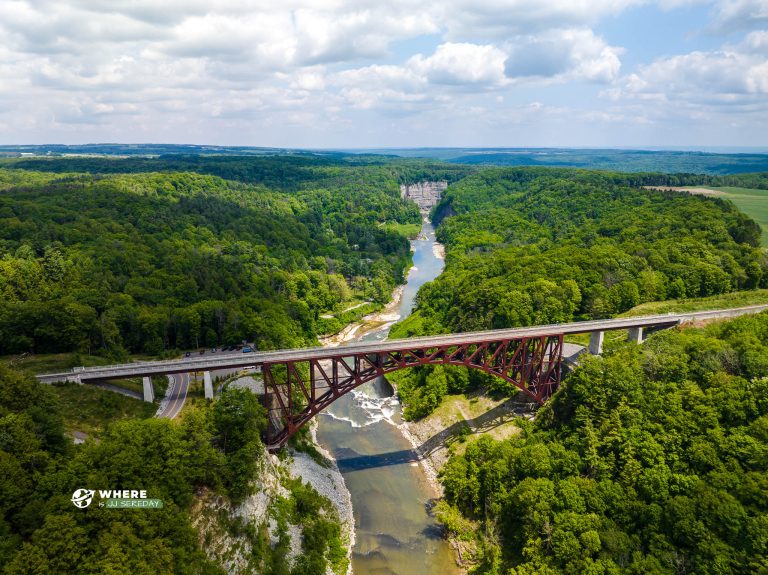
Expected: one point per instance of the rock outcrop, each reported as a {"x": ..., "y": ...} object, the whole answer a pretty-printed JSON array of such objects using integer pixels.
[
  {"x": 227, "y": 532},
  {"x": 425, "y": 194}
]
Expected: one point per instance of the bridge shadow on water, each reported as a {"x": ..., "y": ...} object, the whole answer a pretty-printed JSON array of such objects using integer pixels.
[{"x": 499, "y": 415}]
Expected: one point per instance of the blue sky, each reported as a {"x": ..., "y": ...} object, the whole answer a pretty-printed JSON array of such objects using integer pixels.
[{"x": 364, "y": 73}]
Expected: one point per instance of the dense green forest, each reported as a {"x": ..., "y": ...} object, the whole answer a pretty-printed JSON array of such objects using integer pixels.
[
  {"x": 147, "y": 262},
  {"x": 651, "y": 459},
  {"x": 622, "y": 160},
  {"x": 216, "y": 447},
  {"x": 284, "y": 172},
  {"x": 666, "y": 161},
  {"x": 541, "y": 245},
  {"x": 138, "y": 260}
]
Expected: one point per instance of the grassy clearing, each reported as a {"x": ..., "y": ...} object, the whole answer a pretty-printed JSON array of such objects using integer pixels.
[
  {"x": 34, "y": 364},
  {"x": 159, "y": 383},
  {"x": 471, "y": 409},
  {"x": 91, "y": 409},
  {"x": 722, "y": 301},
  {"x": 752, "y": 202},
  {"x": 410, "y": 231},
  {"x": 461, "y": 419},
  {"x": 51, "y": 363},
  {"x": 56, "y": 362},
  {"x": 733, "y": 299}
]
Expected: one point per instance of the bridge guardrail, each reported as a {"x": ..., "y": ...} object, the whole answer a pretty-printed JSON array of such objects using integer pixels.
[{"x": 233, "y": 360}]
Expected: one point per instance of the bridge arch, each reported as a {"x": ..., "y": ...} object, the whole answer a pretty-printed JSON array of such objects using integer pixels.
[{"x": 296, "y": 391}]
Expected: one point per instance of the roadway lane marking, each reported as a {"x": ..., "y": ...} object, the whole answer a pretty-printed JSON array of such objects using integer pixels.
[{"x": 179, "y": 397}]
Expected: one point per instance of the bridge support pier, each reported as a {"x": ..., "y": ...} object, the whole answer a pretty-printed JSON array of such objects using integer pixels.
[
  {"x": 208, "y": 385},
  {"x": 596, "y": 342},
  {"x": 149, "y": 391},
  {"x": 635, "y": 335}
]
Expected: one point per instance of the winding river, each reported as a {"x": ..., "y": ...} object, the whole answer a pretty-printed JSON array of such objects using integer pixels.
[{"x": 390, "y": 492}]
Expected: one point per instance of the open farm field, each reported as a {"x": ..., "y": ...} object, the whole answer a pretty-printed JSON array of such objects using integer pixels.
[{"x": 752, "y": 202}]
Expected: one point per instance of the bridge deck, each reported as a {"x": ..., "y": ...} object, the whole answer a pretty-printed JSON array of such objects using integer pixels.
[{"x": 258, "y": 358}]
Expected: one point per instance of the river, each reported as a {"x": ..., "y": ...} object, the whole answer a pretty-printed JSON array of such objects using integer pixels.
[{"x": 390, "y": 492}]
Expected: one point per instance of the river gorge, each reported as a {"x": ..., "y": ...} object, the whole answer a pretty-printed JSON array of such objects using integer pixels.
[{"x": 391, "y": 492}]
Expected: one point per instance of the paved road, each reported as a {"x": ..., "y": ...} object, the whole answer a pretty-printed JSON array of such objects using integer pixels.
[
  {"x": 178, "y": 386},
  {"x": 220, "y": 360}
]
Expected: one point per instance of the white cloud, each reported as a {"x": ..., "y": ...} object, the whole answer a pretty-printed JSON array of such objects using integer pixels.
[
  {"x": 715, "y": 76},
  {"x": 725, "y": 88},
  {"x": 738, "y": 15},
  {"x": 382, "y": 87},
  {"x": 756, "y": 42},
  {"x": 503, "y": 18},
  {"x": 117, "y": 67},
  {"x": 461, "y": 64},
  {"x": 562, "y": 54}
]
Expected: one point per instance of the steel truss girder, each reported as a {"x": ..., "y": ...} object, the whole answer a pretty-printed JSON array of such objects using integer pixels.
[{"x": 296, "y": 391}]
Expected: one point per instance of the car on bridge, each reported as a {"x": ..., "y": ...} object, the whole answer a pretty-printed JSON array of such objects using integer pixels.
[{"x": 247, "y": 349}]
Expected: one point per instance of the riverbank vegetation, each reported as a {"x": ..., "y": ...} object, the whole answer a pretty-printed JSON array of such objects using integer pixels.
[{"x": 650, "y": 459}]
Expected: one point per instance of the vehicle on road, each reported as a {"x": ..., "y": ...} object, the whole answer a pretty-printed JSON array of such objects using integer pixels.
[
  {"x": 247, "y": 349},
  {"x": 188, "y": 354}
]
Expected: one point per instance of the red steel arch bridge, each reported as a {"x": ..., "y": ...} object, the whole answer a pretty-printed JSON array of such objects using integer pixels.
[{"x": 300, "y": 383}]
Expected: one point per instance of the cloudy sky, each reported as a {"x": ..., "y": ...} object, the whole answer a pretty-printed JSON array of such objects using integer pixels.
[{"x": 376, "y": 73}]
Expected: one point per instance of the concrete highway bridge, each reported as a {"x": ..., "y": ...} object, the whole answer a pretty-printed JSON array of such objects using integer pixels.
[{"x": 299, "y": 383}]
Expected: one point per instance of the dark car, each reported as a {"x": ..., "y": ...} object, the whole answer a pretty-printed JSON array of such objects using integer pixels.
[
  {"x": 187, "y": 354},
  {"x": 213, "y": 350}
]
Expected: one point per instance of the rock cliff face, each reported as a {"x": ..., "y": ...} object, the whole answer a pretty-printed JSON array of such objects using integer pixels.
[
  {"x": 229, "y": 534},
  {"x": 425, "y": 194}
]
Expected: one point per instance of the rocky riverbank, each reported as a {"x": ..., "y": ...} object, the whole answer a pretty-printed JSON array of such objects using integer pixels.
[
  {"x": 376, "y": 321},
  {"x": 328, "y": 482}
]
